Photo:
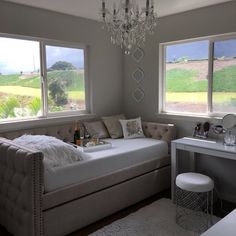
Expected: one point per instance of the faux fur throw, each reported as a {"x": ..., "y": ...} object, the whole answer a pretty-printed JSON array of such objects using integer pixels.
[{"x": 56, "y": 152}]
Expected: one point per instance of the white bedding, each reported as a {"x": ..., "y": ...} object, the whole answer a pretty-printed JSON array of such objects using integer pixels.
[
  {"x": 56, "y": 152},
  {"x": 124, "y": 153}
]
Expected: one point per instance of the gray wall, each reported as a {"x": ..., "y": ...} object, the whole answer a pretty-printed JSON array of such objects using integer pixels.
[
  {"x": 105, "y": 60},
  {"x": 213, "y": 20}
]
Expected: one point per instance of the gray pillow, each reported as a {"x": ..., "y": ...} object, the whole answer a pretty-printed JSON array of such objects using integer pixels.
[
  {"x": 96, "y": 129},
  {"x": 113, "y": 125}
]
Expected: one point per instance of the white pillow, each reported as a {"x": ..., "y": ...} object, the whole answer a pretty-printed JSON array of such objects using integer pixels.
[
  {"x": 132, "y": 128},
  {"x": 55, "y": 151}
]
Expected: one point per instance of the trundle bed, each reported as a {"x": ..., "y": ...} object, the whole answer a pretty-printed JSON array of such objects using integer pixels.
[{"x": 36, "y": 202}]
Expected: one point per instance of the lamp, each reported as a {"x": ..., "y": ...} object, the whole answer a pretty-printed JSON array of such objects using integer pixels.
[{"x": 129, "y": 23}]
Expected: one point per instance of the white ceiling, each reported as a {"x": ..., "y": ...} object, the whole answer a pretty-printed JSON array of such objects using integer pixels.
[{"x": 89, "y": 8}]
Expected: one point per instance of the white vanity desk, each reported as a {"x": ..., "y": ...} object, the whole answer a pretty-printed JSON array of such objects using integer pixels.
[{"x": 194, "y": 146}]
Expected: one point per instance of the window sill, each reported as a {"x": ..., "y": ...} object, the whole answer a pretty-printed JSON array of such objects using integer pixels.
[
  {"x": 188, "y": 117},
  {"x": 41, "y": 122}
]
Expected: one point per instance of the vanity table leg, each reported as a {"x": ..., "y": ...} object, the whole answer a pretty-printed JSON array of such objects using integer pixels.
[
  {"x": 174, "y": 169},
  {"x": 192, "y": 159}
]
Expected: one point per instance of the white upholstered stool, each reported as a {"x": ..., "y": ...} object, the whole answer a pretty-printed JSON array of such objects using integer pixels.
[{"x": 194, "y": 201}]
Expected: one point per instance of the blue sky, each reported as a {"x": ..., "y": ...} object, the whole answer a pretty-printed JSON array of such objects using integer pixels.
[
  {"x": 199, "y": 50},
  {"x": 23, "y": 55}
]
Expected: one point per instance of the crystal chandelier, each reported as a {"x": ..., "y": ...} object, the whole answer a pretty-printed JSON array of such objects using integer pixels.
[{"x": 129, "y": 23}]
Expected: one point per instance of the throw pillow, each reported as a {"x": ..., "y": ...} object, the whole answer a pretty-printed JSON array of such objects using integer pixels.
[
  {"x": 113, "y": 125},
  {"x": 132, "y": 128},
  {"x": 96, "y": 129},
  {"x": 56, "y": 152}
]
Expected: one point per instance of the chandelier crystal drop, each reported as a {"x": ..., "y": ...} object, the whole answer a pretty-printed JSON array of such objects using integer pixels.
[{"x": 128, "y": 23}]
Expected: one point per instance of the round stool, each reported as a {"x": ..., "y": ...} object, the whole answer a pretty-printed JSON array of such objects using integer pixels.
[{"x": 194, "y": 201}]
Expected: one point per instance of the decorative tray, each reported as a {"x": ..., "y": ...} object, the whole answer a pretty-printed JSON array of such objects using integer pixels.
[{"x": 89, "y": 146}]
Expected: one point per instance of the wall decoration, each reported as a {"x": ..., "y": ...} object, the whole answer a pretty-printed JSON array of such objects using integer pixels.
[
  {"x": 138, "y": 54},
  {"x": 138, "y": 95},
  {"x": 138, "y": 75}
]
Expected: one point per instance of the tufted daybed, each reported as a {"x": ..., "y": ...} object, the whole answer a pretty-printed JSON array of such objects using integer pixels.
[{"x": 26, "y": 210}]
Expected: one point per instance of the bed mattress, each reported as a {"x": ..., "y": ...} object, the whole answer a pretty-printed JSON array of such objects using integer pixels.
[{"x": 124, "y": 153}]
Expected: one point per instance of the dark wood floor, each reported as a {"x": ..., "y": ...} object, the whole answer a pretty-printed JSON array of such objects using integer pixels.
[{"x": 220, "y": 210}]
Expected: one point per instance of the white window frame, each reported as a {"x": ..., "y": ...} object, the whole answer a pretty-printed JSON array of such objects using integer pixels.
[
  {"x": 162, "y": 81},
  {"x": 66, "y": 115}
]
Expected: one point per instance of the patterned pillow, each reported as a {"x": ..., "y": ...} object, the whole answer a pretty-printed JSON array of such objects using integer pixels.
[
  {"x": 113, "y": 125},
  {"x": 132, "y": 128},
  {"x": 96, "y": 129}
]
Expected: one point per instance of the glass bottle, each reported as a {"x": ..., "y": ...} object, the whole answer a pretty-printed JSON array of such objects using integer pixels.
[
  {"x": 77, "y": 134},
  {"x": 229, "y": 138}
]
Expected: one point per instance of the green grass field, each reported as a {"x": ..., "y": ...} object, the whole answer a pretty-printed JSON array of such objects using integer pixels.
[
  {"x": 74, "y": 80},
  {"x": 21, "y": 85},
  {"x": 201, "y": 97},
  {"x": 18, "y": 90},
  {"x": 33, "y": 92},
  {"x": 183, "y": 86},
  {"x": 181, "y": 80}
]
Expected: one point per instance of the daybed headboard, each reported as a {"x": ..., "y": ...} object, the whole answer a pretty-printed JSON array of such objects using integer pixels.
[
  {"x": 165, "y": 132},
  {"x": 64, "y": 132}
]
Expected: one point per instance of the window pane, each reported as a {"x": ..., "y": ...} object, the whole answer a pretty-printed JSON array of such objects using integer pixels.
[
  {"x": 186, "y": 70},
  {"x": 224, "y": 76},
  {"x": 65, "y": 75},
  {"x": 20, "y": 91}
]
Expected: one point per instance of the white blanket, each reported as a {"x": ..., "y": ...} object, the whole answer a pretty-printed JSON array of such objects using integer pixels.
[{"x": 56, "y": 152}]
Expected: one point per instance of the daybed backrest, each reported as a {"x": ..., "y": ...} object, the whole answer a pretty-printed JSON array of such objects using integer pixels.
[
  {"x": 165, "y": 132},
  {"x": 64, "y": 132},
  {"x": 20, "y": 189}
]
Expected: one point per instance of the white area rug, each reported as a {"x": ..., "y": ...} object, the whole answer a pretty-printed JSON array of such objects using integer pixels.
[{"x": 156, "y": 219}]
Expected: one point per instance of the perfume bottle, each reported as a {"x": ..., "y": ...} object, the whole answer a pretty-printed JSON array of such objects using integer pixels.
[{"x": 229, "y": 138}]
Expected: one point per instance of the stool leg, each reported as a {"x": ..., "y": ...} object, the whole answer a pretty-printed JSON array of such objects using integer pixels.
[
  {"x": 212, "y": 207},
  {"x": 208, "y": 210}
]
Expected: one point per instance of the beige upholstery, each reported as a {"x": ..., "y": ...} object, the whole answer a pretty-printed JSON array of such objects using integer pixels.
[
  {"x": 74, "y": 191},
  {"x": 165, "y": 132},
  {"x": 64, "y": 132},
  {"x": 58, "y": 221},
  {"x": 20, "y": 189},
  {"x": 26, "y": 210}
]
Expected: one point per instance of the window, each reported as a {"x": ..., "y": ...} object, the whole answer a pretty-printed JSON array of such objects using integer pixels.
[
  {"x": 224, "y": 76},
  {"x": 65, "y": 79},
  {"x": 40, "y": 79},
  {"x": 198, "y": 76}
]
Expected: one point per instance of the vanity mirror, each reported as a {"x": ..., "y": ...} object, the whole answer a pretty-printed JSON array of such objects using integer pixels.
[{"x": 229, "y": 122}]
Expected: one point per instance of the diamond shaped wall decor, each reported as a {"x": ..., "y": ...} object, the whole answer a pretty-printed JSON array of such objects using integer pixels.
[
  {"x": 138, "y": 54},
  {"x": 138, "y": 75},
  {"x": 138, "y": 95}
]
